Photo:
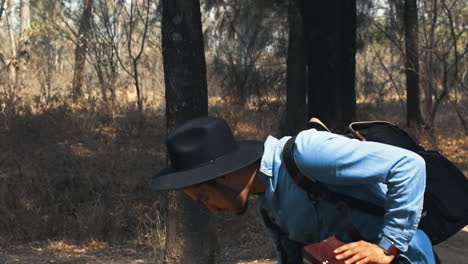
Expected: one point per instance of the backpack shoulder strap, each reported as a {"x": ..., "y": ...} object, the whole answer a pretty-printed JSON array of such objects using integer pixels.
[
  {"x": 288, "y": 158},
  {"x": 319, "y": 191}
]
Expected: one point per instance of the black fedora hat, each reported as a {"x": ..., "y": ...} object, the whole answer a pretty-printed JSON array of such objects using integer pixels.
[{"x": 203, "y": 149}]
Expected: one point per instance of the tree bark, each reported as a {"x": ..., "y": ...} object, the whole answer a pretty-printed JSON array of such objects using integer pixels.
[
  {"x": 81, "y": 49},
  {"x": 330, "y": 30},
  {"x": 248, "y": 23},
  {"x": 190, "y": 236},
  {"x": 25, "y": 19},
  {"x": 2, "y": 8},
  {"x": 413, "y": 108},
  {"x": 296, "y": 72},
  {"x": 430, "y": 61},
  {"x": 11, "y": 33}
]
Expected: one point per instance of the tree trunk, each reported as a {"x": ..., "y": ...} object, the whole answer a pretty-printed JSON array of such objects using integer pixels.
[
  {"x": 81, "y": 49},
  {"x": 25, "y": 20},
  {"x": 296, "y": 73},
  {"x": 190, "y": 236},
  {"x": 136, "y": 82},
  {"x": 2, "y": 8},
  {"x": 23, "y": 47},
  {"x": 413, "y": 112},
  {"x": 248, "y": 22},
  {"x": 430, "y": 61},
  {"x": 11, "y": 33},
  {"x": 330, "y": 32}
]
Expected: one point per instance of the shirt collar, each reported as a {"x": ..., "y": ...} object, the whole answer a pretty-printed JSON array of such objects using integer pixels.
[{"x": 266, "y": 165}]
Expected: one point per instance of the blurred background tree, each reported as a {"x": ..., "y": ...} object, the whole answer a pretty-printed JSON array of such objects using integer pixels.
[{"x": 82, "y": 48}]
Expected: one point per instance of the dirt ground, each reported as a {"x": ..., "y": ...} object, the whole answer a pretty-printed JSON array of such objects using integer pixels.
[{"x": 452, "y": 251}]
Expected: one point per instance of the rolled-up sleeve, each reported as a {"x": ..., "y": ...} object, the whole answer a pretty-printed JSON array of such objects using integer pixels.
[{"x": 337, "y": 160}]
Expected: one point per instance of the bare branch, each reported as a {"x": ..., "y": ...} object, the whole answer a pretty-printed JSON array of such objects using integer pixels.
[
  {"x": 130, "y": 30},
  {"x": 395, "y": 42},
  {"x": 389, "y": 74},
  {"x": 111, "y": 33},
  {"x": 454, "y": 37},
  {"x": 145, "y": 31}
]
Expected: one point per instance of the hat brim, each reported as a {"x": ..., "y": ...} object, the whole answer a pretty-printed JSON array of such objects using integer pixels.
[{"x": 248, "y": 151}]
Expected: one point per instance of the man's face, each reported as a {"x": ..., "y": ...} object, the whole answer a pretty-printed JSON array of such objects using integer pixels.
[
  {"x": 216, "y": 198},
  {"x": 228, "y": 193}
]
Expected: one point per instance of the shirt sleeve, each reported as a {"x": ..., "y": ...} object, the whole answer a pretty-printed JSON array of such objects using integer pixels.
[{"x": 337, "y": 160}]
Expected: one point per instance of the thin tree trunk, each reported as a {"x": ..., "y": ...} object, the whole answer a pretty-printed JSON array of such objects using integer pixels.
[
  {"x": 296, "y": 74},
  {"x": 23, "y": 43},
  {"x": 12, "y": 66},
  {"x": 330, "y": 29},
  {"x": 111, "y": 84},
  {"x": 247, "y": 30},
  {"x": 81, "y": 49},
  {"x": 413, "y": 114},
  {"x": 25, "y": 20},
  {"x": 102, "y": 81},
  {"x": 11, "y": 33},
  {"x": 430, "y": 63},
  {"x": 456, "y": 57},
  {"x": 442, "y": 95},
  {"x": 136, "y": 81},
  {"x": 191, "y": 237},
  {"x": 2, "y": 8}
]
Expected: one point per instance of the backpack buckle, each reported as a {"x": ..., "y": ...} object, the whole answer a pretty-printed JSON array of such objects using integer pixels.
[{"x": 316, "y": 196}]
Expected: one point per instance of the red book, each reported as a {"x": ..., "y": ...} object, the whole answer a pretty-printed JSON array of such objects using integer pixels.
[{"x": 322, "y": 252}]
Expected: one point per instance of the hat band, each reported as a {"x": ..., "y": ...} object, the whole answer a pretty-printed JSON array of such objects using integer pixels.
[{"x": 202, "y": 164}]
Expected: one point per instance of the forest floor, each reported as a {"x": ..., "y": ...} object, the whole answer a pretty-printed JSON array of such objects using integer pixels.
[
  {"x": 452, "y": 251},
  {"x": 242, "y": 239}
]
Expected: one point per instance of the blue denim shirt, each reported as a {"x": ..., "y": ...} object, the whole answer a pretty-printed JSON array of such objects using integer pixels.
[{"x": 378, "y": 173}]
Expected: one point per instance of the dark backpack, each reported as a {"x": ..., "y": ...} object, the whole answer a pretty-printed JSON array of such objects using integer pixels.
[{"x": 445, "y": 209}]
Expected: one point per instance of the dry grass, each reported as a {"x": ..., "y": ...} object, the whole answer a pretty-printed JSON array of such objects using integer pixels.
[
  {"x": 454, "y": 147},
  {"x": 79, "y": 173},
  {"x": 75, "y": 250}
]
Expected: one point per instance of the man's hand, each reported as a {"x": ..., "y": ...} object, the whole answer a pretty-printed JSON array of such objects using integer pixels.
[{"x": 363, "y": 252}]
